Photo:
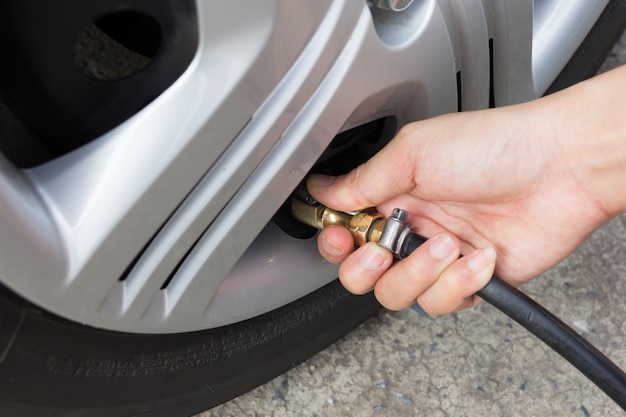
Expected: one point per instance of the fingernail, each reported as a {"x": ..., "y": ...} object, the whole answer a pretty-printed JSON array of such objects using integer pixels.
[
  {"x": 372, "y": 257},
  {"x": 331, "y": 247},
  {"x": 481, "y": 259},
  {"x": 321, "y": 180},
  {"x": 441, "y": 247}
]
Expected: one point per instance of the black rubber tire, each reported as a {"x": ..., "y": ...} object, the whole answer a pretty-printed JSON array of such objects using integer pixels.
[
  {"x": 50, "y": 366},
  {"x": 53, "y": 367}
]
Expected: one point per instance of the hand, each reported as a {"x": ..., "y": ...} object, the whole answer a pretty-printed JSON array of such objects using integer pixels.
[{"x": 509, "y": 183}]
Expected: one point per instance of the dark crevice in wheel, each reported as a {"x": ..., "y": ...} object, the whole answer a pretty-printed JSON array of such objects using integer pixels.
[{"x": 54, "y": 367}]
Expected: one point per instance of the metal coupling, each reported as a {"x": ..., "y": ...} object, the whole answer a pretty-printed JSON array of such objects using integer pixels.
[
  {"x": 395, "y": 232},
  {"x": 365, "y": 226}
]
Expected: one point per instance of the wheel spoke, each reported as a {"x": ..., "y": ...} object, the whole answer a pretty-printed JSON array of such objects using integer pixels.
[{"x": 554, "y": 40}]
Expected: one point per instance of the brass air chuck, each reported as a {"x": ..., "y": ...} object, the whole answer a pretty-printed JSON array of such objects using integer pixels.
[{"x": 365, "y": 226}]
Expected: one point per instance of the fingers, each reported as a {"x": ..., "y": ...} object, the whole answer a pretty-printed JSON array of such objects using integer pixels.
[
  {"x": 335, "y": 243},
  {"x": 435, "y": 278},
  {"x": 414, "y": 275},
  {"x": 433, "y": 275},
  {"x": 364, "y": 267},
  {"x": 361, "y": 268},
  {"x": 456, "y": 287},
  {"x": 371, "y": 183}
]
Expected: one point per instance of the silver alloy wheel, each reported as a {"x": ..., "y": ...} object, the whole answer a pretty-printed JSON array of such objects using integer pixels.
[{"x": 162, "y": 224}]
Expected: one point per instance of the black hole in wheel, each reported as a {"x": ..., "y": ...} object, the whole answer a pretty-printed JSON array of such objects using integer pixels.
[{"x": 117, "y": 45}]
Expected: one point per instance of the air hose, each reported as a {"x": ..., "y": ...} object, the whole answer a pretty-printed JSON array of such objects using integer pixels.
[
  {"x": 549, "y": 329},
  {"x": 396, "y": 235}
]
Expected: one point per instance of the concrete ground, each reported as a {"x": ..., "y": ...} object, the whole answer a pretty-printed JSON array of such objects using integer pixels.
[{"x": 474, "y": 363}]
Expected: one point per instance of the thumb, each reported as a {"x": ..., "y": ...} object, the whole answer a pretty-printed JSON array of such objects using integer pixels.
[{"x": 388, "y": 174}]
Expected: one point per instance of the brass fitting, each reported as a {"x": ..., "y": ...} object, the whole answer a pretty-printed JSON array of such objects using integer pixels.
[{"x": 365, "y": 226}]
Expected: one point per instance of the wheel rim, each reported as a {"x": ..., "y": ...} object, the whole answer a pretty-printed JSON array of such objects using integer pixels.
[{"x": 163, "y": 225}]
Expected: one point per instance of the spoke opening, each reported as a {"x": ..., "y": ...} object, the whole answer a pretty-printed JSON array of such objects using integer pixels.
[{"x": 117, "y": 45}]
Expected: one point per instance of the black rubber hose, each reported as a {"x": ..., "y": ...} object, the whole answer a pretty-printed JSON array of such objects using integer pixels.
[{"x": 550, "y": 329}]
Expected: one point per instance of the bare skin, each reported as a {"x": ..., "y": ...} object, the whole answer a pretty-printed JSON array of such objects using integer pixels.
[{"x": 524, "y": 184}]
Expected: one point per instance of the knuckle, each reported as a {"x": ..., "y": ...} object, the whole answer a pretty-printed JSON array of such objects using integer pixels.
[
  {"x": 422, "y": 270},
  {"x": 388, "y": 302},
  {"x": 426, "y": 303}
]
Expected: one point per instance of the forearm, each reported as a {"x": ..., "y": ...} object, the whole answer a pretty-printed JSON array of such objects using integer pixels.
[{"x": 590, "y": 123}]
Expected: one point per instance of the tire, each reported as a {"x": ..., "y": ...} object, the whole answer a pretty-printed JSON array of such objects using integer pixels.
[{"x": 53, "y": 366}]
